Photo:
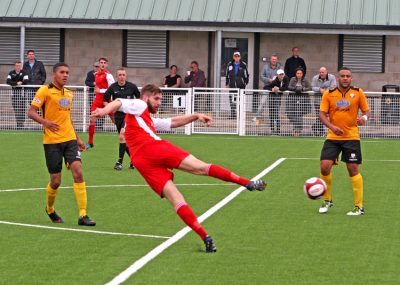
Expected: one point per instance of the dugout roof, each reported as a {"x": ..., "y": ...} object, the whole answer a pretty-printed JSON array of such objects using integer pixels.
[{"x": 331, "y": 16}]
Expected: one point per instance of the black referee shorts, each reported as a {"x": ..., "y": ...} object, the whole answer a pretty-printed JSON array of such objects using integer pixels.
[
  {"x": 55, "y": 153},
  {"x": 119, "y": 123},
  {"x": 350, "y": 149}
]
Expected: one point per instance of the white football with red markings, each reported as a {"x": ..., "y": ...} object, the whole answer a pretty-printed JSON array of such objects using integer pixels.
[{"x": 314, "y": 188}]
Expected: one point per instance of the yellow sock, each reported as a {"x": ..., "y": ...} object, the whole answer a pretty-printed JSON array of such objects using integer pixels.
[
  {"x": 358, "y": 189},
  {"x": 81, "y": 197},
  {"x": 51, "y": 195},
  {"x": 328, "y": 181}
]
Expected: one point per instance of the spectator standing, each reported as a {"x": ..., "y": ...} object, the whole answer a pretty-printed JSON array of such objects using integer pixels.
[
  {"x": 268, "y": 75},
  {"x": 237, "y": 76},
  {"x": 60, "y": 141},
  {"x": 16, "y": 78},
  {"x": 197, "y": 78},
  {"x": 278, "y": 85},
  {"x": 103, "y": 79},
  {"x": 172, "y": 80},
  {"x": 319, "y": 84},
  {"x": 90, "y": 82},
  {"x": 36, "y": 74},
  {"x": 298, "y": 104},
  {"x": 294, "y": 62},
  {"x": 125, "y": 90}
]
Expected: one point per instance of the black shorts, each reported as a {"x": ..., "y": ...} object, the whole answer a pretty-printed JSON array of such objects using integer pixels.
[
  {"x": 119, "y": 122},
  {"x": 350, "y": 149},
  {"x": 55, "y": 153}
]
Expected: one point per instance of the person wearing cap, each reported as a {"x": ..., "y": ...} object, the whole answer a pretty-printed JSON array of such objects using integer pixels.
[
  {"x": 237, "y": 76},
  {"x": 278, "y": 85},
  {"x": 268, "y": 75},
  {"x": 89, "y": 82}
]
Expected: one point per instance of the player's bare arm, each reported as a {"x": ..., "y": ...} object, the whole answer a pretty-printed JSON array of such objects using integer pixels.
[
  {"x": 186, "y": 119},
  {"x": 33, "y": 114},
  {"x": 363, "y": 118},
  {"x": 111, "y": 107},
  {"x": 324, "y": 119}
]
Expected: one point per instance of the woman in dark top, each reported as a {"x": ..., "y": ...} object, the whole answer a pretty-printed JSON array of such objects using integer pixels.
[
  {"x": 298, "y": 102},
  {"x": 173, "y": 80}
]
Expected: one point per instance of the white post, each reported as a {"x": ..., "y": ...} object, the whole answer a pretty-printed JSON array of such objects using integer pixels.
[
  {"x": 188, "y": 127},
  {"x": 242, "y": 113},
  {"x": 85, "y": 90},
  {"x": 22, "y": 43},
  {"x": 217, "y": 59}
]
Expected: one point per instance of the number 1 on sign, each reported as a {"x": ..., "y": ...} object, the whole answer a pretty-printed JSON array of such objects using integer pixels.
[{"x": 179, "y": 101}]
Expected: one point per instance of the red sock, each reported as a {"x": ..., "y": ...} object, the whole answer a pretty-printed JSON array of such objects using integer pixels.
[
  {"x": 186, "y": 214},
  {"x": 226, "y": 175},
  {"x": 92, "y": 128}
]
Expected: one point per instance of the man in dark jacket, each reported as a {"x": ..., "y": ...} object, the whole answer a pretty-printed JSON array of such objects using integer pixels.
[
  {"x": 16, "y": 78},
  {"x": 34, "y": 69},
  {"x": 36, "y": 73},
  {"x": 237, "y": 76},
  {"x": 294, "y": 62}
]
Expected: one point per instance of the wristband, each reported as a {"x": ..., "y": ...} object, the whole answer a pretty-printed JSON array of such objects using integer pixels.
[{"x": 364, "y": 117}]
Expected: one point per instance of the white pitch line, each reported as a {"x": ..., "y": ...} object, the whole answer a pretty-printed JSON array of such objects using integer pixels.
[
  {"x": 369, "y": 160},
  {"x": 114, "y": 186},
  {"x": 81, "y": 230},
  {"x": 137, "y": 265}
]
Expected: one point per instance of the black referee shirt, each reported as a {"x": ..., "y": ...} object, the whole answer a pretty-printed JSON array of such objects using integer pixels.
[{"x": 127, "y": 91}]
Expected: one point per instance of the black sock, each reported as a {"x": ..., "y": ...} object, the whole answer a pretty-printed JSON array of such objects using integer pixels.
[{"x": 122, "y": 148}]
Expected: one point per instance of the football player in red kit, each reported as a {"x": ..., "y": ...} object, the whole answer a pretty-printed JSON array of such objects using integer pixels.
[
  {"x": 103, "y": 79},
  {"x": 154, "y": 157}
]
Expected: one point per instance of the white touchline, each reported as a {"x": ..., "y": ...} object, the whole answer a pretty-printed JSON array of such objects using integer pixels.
[
  {"x": 79, "y": 230},
  {"x": 138, "y": 264},
  {"x": 114, "y": 186}
]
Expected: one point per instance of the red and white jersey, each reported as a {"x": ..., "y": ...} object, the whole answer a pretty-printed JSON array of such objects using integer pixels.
[
  {"x": 140, "y": 128},
  {"x": 102, "y": 80}
]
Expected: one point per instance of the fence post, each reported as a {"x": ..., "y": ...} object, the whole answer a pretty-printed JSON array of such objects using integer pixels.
[
  {"x": 242, "y": 113},
  {"x": 84, "y": 109},
  {"x": 188, "y": 127}
]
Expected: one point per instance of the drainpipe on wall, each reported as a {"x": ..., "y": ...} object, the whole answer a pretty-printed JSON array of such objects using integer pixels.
[
  {"x": 217, "y": 60},
  {"x": 22, "y": 43}
]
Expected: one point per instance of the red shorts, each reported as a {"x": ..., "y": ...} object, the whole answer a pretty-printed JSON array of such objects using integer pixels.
[{"x": 154, "y": 161}]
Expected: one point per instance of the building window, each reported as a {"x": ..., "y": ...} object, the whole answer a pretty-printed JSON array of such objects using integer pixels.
[
  {"x": 9, "y": 45},
  {"x": 46, "y": 43},
  {"x": 362, "y": 53},
  {"x": 147, "y": 49}
]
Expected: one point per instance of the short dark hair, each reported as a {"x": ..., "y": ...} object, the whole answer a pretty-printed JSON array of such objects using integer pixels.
[
  {"x": 344, "y": 68},
  {"x": 30, "y": 50},
  {"x": 299, "y": 68},
  {"x": 172, "y": 66},
  {"x": 103, "y": 58},
  {"x": 59, "y": 64},
  {"x": 17, "y": 61},
  {"x": 195, "y": 62},
  {"x": 150, "y": 88}
]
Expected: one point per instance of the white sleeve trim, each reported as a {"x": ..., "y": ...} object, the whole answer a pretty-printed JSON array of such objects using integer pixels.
[
  {"x": 132, "y": 106},
  {"x": 162, "y": 124}
]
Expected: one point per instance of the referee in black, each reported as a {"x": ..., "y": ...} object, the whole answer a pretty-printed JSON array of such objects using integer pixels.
[{"x": 125, "y": 90}]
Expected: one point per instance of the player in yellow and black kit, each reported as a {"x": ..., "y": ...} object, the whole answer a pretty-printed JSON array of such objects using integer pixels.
[
  {"x": 60, "y": 141},
  {"x": 339, "y": 112}
]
